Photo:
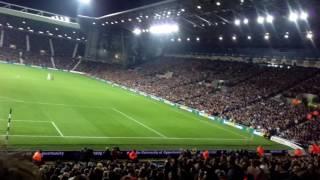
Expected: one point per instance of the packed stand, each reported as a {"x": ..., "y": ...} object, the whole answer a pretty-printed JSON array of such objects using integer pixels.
[{"x": 221, "y": 165}]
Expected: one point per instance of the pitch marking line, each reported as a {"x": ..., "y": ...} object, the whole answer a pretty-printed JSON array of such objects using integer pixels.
[
  {"x": 10, "y": 99},
  {"x": 56, "y": 127},
  {"x": 7, "y": 99},
  {"x": 24, "y": 120},
  {"x": 138, "y": 122},
  {"x": 144, "y": 138},
  {"x": 210, "y": 123}
]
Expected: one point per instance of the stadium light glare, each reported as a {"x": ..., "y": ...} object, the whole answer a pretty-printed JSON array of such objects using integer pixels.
[
  {"x": 267, "y": 36},
  {"x": 220, "y": 38},
  {"x": 260, "y": 20},
  {"x": 269, "y": 19},
  {"x": 86, "y": 2},
  {"x": 237, "y": 22},
  {"x": 246, "y": 21},
  {"x": 293, "y": 17},
  {"x": 249, "y": 37},
  {"x": 309, "y": 35},
  {"x": 137, "y": 31},
  {"x": 304, "y": 16},
  {"x": 286, "y": 36},
  {"x": 164, "y": 29},
  {"x": 234, "y": 37}
]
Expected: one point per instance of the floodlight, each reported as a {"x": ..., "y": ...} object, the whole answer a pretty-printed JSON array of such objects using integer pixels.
[
  {"x": 304, "y": 16},
  {"x": 249, "y": 37},
  {"x": 269, "y": 19},
  {"x": 237, "y": 22},
  {"x": 220, "y": 38},
  {"x": 198, "y": 39},
  {"x": 267, "y": 36},
  {"x": 218, "y": 3},
  {"x": 260, "y": 20},
  {"x": 85, "y": 1},
  {"x": 137, "y": 31},
  {"x": 286, "y": 36},
  {"x": 164, "y": 29},
  {"x": 293, "y": 16},
  {"x": 234, "y": 37},
  {"x": 246, "y": 21},
  {"x": 309, "y": 35}
]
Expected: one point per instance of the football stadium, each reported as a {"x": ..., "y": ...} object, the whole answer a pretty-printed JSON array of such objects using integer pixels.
[{"x": 159, "y": 89}]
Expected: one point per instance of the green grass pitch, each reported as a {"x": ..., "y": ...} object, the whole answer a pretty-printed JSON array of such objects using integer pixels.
[{"x": 74, "y": 111}]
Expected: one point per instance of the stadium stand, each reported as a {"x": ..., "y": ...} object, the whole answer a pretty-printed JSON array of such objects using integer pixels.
[{"x": 231, "y": 165}]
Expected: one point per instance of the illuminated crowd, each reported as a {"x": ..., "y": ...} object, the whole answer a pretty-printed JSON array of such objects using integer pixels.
[{"x": 189, "y": 165}]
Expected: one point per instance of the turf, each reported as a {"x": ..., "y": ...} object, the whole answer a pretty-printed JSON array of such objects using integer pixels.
[{"x": 74, "y": 111}]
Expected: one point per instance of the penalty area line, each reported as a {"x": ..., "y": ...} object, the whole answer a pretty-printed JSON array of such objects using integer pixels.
[
  {"x": 138, "y": 122},
  {"x": 56, "y": 127}
]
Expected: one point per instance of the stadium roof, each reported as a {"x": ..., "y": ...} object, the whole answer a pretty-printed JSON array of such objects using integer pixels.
[{"x": 246, "y": 22}]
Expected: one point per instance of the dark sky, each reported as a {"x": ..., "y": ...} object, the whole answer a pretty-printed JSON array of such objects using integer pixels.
[{"x": 72, "y": 8}]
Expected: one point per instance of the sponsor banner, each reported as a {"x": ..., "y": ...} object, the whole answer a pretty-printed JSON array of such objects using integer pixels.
[
  {"x": 133, "y": 90},
  {"x": 258, "y": 133},
  {"x": 228, "y": 123},
  {"x": 76, "y": 72},
  {"x": 143, "y": 94},
  {"x": 233, "y": 124},
  {"x": 51, "y": 68},
  {"x": 195, "y": 111},
  {"x": 17, "y": 64},
  {"x": 185, "y": 108},
  {"x": 204, "y": 115},
  {"x": 239, "y": 126},
  {"x": 285, "y": 142},
  {"x": 36, "y": 67},
  {"x": 155, "y": 98},
  {"x": 168, "y": 102}
]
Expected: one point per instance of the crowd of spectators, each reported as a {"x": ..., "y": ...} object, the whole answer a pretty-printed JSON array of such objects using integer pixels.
[{"x": 222, "y": 165}]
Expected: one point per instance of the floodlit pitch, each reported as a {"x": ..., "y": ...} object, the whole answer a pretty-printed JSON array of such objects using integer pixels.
[{"x": 75, "y": 111}]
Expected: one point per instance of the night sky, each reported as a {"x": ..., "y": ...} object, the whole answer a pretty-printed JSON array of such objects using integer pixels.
[{"x": 72, "y": 8}]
